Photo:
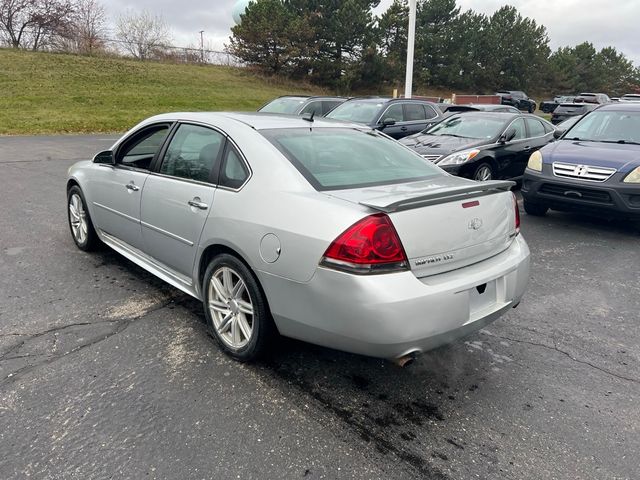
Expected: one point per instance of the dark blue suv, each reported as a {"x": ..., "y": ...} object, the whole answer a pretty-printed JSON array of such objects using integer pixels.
[
  {"x": 594, "y": 167},
  {"x": 397, "y": 117}
]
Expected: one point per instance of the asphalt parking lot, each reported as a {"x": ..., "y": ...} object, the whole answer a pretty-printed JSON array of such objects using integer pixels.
[{"x": 107, "y": 372}]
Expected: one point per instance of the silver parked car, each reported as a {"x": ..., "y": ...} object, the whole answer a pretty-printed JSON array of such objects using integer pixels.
[{"x": 318, "y": 230}]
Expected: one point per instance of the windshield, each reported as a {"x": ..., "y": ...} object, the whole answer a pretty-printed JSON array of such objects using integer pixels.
[
  {"x": 358, "y": 112},
  {"x": 608, "y": 126},
  {"x": 468, "y": 126},
  {"x": 339, "y": 158},
  {"x": 283, "y": 105}
]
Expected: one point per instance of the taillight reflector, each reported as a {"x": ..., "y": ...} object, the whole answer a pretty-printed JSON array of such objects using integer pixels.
[{"x": 517, "y": 211}]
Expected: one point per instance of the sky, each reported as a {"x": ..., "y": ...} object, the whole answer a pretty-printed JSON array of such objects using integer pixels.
[{"x": 569, "y": 22}]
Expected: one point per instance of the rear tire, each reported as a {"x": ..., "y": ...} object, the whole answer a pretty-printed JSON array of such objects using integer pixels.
[
  {"x": 535, "y": 209},
  {"x": 532, "y": 108},
  {"x": 483, "y": 172},
  {"x": 80, "y": 224},
  {"x": 236, "y": 309}
]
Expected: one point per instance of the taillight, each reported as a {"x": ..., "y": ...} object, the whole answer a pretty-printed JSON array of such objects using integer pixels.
[
  {"x": 371, "y": 245},
  {"x": 515, "y": 204}
]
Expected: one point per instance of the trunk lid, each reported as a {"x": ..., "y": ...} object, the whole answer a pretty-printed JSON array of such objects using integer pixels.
[{"x": 444, "y": 223}]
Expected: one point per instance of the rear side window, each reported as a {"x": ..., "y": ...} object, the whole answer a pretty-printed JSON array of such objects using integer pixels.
[
  {"x": 313, "y": 107},
  {"x": 536, "y": 128},
  {"x": 413, "y": 112},
  {"x": 327, "y": 106},
  {"x": 340, "y": 158},
  {"x": 234, "y": 172},
  {"x": 430, "y": 112}
]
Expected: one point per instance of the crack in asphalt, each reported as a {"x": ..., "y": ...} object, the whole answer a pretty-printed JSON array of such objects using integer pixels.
[
  {"x": 120, "y": 325},
  {"x": 568, "y": 355}
]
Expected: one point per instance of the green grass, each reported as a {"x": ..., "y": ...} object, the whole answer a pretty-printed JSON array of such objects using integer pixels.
[{"x": 54, "y": 93}]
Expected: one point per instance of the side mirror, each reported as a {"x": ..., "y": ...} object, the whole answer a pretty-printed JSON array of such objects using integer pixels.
[
  {"x": 508, "y": 135},
  {"x": 558, "y": 133},
  {"x": 105, "y": 157},
  {"x": 387, "y": 122}
]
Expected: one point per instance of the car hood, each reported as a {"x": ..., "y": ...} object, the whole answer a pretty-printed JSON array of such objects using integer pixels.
[
  {"x": 440, "y": 144},
  {"x": 611, "y": 155}
]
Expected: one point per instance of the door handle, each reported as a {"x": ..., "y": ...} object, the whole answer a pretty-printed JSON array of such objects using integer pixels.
[
  {"x": 198, "y": 205},
  {"x": 132, "y": 187}
]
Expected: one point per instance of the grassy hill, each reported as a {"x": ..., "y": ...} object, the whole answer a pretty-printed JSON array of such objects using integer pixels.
[{"x": 56, "y": 93}]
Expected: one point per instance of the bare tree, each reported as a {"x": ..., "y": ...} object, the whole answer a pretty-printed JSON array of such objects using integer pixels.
[
  {"x": 31, "y": 23},
  {"x": 89, "y": 26},
  {"x": 143, "y": 35}
]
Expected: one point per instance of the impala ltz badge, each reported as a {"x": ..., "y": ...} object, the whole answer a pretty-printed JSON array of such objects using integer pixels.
[
  {"x": 435, "y": 259},
  {"x": 475, "y": 224}
]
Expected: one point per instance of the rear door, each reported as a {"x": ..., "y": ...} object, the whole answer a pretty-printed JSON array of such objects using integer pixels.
[
  {"x": 117, "y": 190},
  {"x": 178, "y": 197}
]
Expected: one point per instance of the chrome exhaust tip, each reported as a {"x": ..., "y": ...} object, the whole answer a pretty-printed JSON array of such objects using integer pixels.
[{"x": 405, "y": 360}]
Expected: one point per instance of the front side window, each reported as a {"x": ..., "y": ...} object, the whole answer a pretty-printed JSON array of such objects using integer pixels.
[
  {"x": 339, "y": 158},
  {"x": 313, "y": 107},
  {"x": 519, "y": 127},
  {"x": 192, "y": 153},
  {"x": 394, "y": 113},
  {"x": 139, "y": 151}
]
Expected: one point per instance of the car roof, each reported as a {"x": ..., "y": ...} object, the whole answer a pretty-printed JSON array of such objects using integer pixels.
[
  {"x": 621, "y": 107},
  {"x": 389, "y": 100},
  {"x": 480, "y": 113},
  {"x": 255, "y": 120},
  {"x": 311, "y": 97}
]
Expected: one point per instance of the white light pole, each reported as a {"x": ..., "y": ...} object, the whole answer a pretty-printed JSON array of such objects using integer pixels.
[{"x": 408, "y": 82}]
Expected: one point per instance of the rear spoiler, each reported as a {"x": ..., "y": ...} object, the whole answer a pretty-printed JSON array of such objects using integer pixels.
[{"x": 387, "y": 204}]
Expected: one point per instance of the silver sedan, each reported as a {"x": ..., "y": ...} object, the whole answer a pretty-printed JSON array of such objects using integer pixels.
[{"x": 314, "y": 229}]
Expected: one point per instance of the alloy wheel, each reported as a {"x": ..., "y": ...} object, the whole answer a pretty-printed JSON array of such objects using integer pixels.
[
  {"x": 231, "y": 307},
  {"x": 483, "y": 173},
  {"x": 78, "y": 219}
]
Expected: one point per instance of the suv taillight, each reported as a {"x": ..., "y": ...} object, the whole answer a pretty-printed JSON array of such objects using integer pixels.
[
  {"x": 371, "y": 245},
  {"x": 517, "y": 211}
]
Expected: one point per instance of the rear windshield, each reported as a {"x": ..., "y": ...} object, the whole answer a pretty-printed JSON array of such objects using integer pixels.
[
  {"x": 358, "y": 112},
  {"x": 570, "y": 109},
  {"x": 608, "y": 126},
  {"x": 283, "y": 105},
  {"x": 341, "y": 158}
]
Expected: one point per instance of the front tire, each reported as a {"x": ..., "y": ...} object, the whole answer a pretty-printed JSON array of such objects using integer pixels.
[
  {"x": 483, "y": 173},
  {"x": 535, "y": 209},
  {"x": 82, "y": 230},
  {"x": 532, "y": 108},
  {"x": 236, "y": 309}
]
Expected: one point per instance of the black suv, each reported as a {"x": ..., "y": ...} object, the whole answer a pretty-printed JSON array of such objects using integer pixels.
[
  {"x": 397, "y": 117},
  {"x": 300, "y": 105},
  {"x": 517, "y": 99}
]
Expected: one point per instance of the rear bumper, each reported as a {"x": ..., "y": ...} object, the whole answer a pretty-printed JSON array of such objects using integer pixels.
[
  {"x": 610, "y": 198},
  {"x": 392, "y": 315}
]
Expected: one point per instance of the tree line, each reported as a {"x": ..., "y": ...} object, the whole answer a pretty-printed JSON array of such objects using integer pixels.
[{"x": 342, "y": 45}]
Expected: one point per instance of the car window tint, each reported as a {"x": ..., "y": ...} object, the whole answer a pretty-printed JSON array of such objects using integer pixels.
[
  {"x": 518, "y": 126},
  {"x": 329, "y": 105},
  {"x": 234, "y": 172},
  {"x": 338, "y": 158},
  {"x": 394, "y": 112},
  {"x": 536, "y": 129},
  {"x": 430, "y": 112},
  {"x": 192, "y": 153},
  {"x": 413, "y": 112},
  {"x": 139, "y": 152},
  {"x": 313, "y": 107}
]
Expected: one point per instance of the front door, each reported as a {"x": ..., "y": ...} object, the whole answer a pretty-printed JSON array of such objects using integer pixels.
[
  {"x": 178, "y": 198},
  {"x": 117, "y": 189}
]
